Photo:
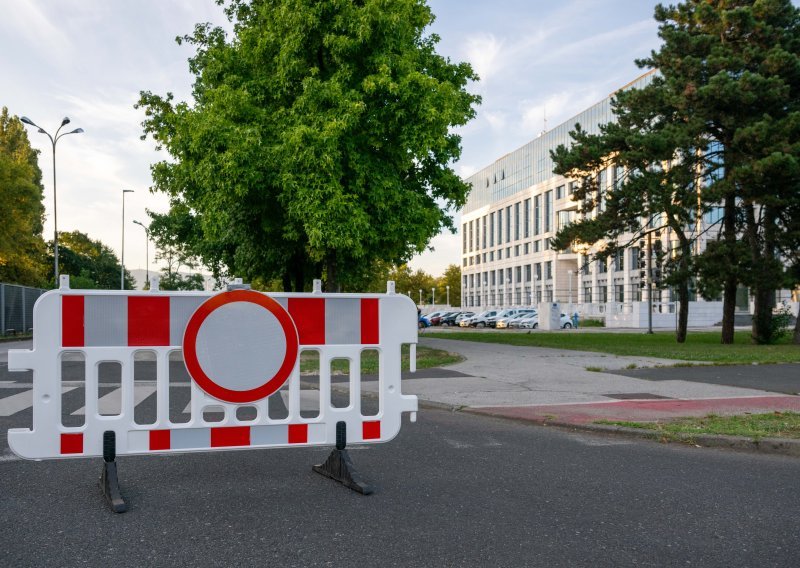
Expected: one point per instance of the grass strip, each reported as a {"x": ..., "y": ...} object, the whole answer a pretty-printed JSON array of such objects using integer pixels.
[
  {"x": 700, "y": 346},
  {"x": 427, "y": 358},
  {"x": 755, "y": 426}
]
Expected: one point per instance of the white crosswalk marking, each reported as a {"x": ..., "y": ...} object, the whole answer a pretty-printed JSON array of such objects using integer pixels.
[
  {"x": 18, "y": 402},
  {"x": 108, "y": 405}
]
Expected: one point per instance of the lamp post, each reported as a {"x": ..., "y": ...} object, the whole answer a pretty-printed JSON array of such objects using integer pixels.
[
  {"x": 53, "y": 141},
  {"x": 433, "y": 297},
  {"x": 122, "y": 260},
  {"x": 448, "y": 294},
  {"x": 420, "y": 296},
  {"x": 146, "y": 249}
]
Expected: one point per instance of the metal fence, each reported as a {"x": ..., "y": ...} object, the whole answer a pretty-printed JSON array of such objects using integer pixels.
[{"x": 16, "y": 308}]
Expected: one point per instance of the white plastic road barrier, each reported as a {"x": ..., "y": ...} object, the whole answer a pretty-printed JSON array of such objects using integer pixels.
[{"x": 240, "y": 347}]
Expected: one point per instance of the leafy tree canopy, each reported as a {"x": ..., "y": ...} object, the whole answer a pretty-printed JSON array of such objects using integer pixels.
[
  {"x": 319, "y": 139},
  {"x": 22, "y": 249},
  {"x": 90, "y": 263}
]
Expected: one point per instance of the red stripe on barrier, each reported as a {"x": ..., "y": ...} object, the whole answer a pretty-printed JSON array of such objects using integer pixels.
[
  {"x": 148, "y": 320},
  {"x": 371, "y": 430},
  {"x": 71, "y": 443},
  {"x": 309, "y": 318},
  {"x": 230, "y": 436},
  {"x": 298, "y": 433},
  {"x": 370, "y": 323},
  {"x": 71, "y": 321},
  {"x": 159, "y": 440}
]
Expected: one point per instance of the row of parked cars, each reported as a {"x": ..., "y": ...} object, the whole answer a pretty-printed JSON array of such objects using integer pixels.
[{"x": 521, "y": 318}]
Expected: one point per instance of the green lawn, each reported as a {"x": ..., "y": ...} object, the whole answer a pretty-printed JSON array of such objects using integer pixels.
[
  {"x": 772, "y": 425},
  {"x": 699, "y": 346},
  {"x": 426, "y": 358}
]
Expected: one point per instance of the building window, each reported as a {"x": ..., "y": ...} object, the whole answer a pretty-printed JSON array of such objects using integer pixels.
[
  {"x": 602, "y": 181},
  {"x": 516, "y": 250},
  {"x": 619, "y": 260},
  {"x": 602, "y": 266},
  {"x": 516, "y": 221},
  {"x": 546, "y": 244},
  {"x": 491, "y": 229},
  {"x": 587, "y": 295},
  {"x": 526, "y": 212},
  {"x": 492, "y": 274},
  {"x": 538, "y": 270},
  {"x": 508, "y": 252},
  {"x": 508, "y": 275},
  {"x": 537, "y": 215},
  {"x": 526, "y": 248},
  {"x": 500, "y": 227},
  {"x": 483, "y": 232},
  {"x": 560, "y": 192},
  {"x": 619, "y": 293},
  {"x": 564, "y": 218},
  {"x": 548, "y": 270},
  {"x": 603, "y": 290},
  {"x": 519, "y": 274},
  {"x": 471, "y": 280},
  {"x": 500, "y": 254},
  {"x": 470, "y": 261},
  {"x": 536, "y": 246},
  {"x": 527, "y": 273},
  {"x": 491, "y": 256},
  {"x": 484, "y": 258},
  {"x": 548, "y": 211},
  {"x": 508, "y": 224},
  {"x": 464, "y": 238},
  {"x": 464, "y": 262},
  {"x": 572, "y": 187}
]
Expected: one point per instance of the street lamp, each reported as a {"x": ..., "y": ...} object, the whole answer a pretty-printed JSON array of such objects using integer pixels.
[
  {"x": 448, "y": 294},
  {"x": 53, "y": 141},
  {"x": 146, "y": 249},
  {"x": 420, "y": 296},
  {"x": 122, "y": 260},
  {"x": 433, "y": 297}
]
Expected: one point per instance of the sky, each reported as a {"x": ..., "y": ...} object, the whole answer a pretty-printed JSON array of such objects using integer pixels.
[{"x": 89, "y": 59}]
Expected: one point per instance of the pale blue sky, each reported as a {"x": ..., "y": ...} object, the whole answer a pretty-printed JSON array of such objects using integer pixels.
[{"x": 88, "y": 59}]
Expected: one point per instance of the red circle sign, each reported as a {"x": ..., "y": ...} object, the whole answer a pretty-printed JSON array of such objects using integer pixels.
[{"x": 240, "y": 346}]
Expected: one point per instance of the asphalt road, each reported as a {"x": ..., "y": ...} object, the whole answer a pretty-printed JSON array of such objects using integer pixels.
[
  {"x": 774, "y": 378},
  {"x": 452, "y": 490}
]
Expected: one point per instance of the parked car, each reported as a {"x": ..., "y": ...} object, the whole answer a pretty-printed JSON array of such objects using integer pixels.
[
  {"x": 450, "y": 319},
  {"x": 462, "y": 316},
  {"x": 533, "y": 322},
  {"x": 437, "y": 319},
  {"x": 513, "y": 321},
  {"x": 423, "y": 322},
  {"x": 482, "y": 319}
]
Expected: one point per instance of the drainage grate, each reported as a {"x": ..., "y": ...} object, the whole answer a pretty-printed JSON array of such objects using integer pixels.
[{"x": 635, "y": 395}]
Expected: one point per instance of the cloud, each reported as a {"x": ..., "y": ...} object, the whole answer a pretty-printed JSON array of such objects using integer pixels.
[{"x": 485, "y": 53}]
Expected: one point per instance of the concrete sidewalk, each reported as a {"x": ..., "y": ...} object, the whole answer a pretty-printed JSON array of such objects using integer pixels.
[{"x": 553, "y": 386}]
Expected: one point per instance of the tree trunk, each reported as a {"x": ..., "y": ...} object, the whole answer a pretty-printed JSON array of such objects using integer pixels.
[
  {"x": 729, "y": 290},
  {"x": 763, "y": 298},
  {"x": 286, "y": 280},
  {"x": 331, "y": 276},
  {"x": 683, "y": 311},
  {"x": 765, "y": 275},
  {"x": 797, "y": 326}
]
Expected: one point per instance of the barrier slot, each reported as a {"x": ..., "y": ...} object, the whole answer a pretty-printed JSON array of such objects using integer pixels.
[
  {"x": 309, "y": 383},
  {"x": 341, "y": 391},
  {"x": 73, "y": 388},
  {"x": 180, "y": 410},
  {"x": 370, "y": 377},
  {"x": 144, "y": 387}
]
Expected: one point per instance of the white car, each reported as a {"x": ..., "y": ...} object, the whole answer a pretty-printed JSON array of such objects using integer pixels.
[
  {"x": 509, "y": 321},
  {"x": 533, "y": 322}
]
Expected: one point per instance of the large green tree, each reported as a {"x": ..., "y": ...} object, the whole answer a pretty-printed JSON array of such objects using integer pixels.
[
  {"x": 22, "y": 248},
  {"x": 724, "y": 109},
  {"x": 736, "y": 65},
  {"x": 319, "y": 139}
]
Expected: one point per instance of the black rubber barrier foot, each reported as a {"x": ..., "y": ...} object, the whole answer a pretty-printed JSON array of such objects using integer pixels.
[
  {"x": 339, "y": 466},
  {"x": 109, "y": 483}
]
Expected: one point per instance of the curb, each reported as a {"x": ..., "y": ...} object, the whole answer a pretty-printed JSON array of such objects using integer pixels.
[{"x": 773, "y": 446}]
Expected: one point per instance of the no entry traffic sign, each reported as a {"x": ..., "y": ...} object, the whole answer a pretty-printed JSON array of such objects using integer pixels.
[{"x": 240, "y": 346}]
